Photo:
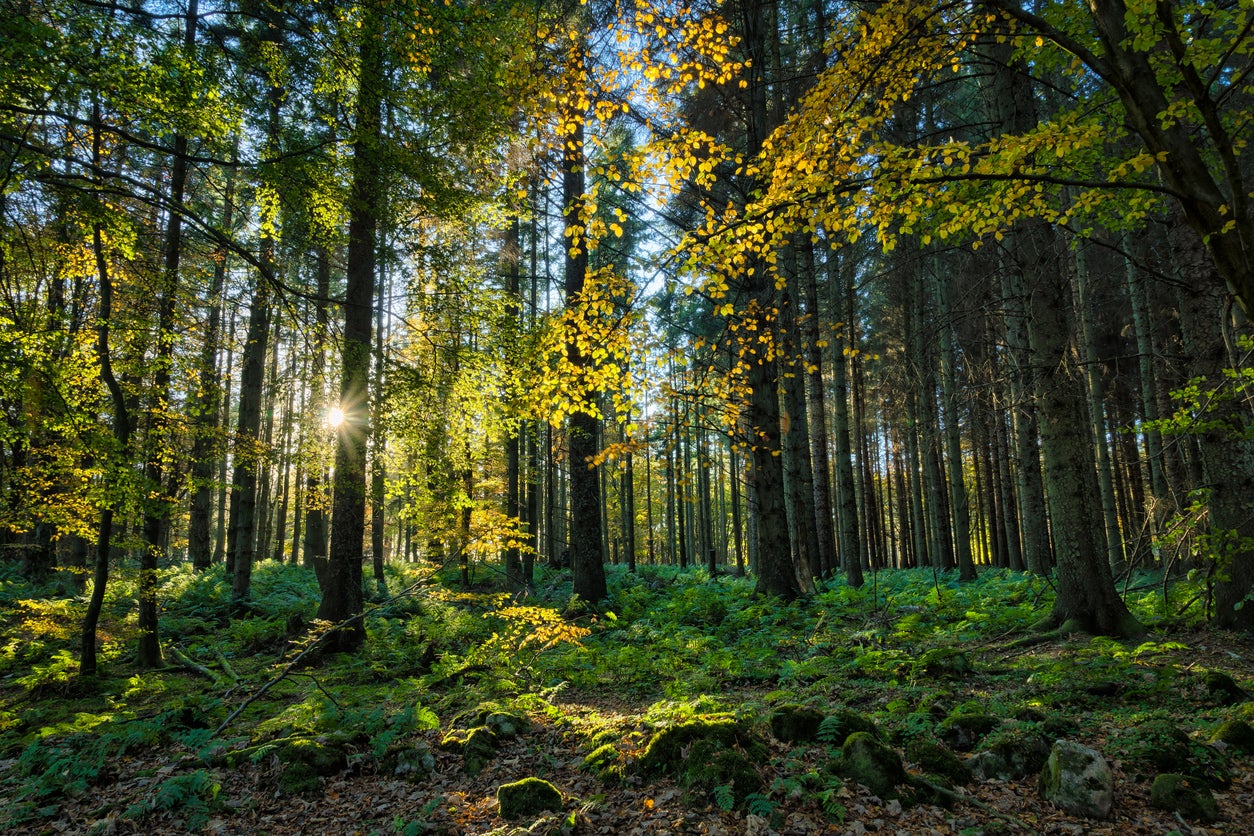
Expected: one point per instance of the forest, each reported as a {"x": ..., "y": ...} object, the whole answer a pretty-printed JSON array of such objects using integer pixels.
[{"x": 626, "y": 416}]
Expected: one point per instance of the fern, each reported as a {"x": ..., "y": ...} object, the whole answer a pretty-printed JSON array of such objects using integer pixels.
[
  {"x": 195, "y": 795},
  {"x": 758, "y": 804},
  {"x": 724, "y": 797},
  {"x": 830, "y": 729}
]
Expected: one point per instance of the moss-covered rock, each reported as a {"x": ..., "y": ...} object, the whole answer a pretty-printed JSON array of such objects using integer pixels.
[
  {"x": 307, "y": 761},
  {"x": 964, "y": 730},
  {"x": 870, "y": 763},
  {"x": 795, "y": 723},
  {"x": 842, "y": 722},
  {"x": 1009, "y": 756},
  {"x": 606, "y": 762},
  {"x": 409, "y": 761},
  {"x": 1182, "y": 795},
  {"x": 528, "y": 797},
  {"x": 943, "y": 663},
  {"x": 477, "y": 746},
  {"x": 705, "y": 753},
  {"x": 1223, "y": 689},
  {"x": 711, "y": 765},
  {"x": 1235, "y": 734},
  {"x": 478, "y": 750},
  {"x": 664, "y": 753},
  {"x": 1077, "y": 779},
  {"x": 935, "y": 760}
]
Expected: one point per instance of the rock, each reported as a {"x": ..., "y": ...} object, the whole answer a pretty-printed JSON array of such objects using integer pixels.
[
  {"x": 1235, "y": 734},
  {"x": 963, "y": 731},
  {"x": 842, "y": 722},
  {"x": 1009, "y": 756},
  {"x": 943, "y": 663},
  {"x": 1077, "y": 779},
  {"x": 1223, "y": 688},
  {"x": 706, "y": 753},
  {"x": 606, "y": 762},
  {"x": 795, "y": 723},
  {"x": 505, "y": 724},
  {"x": 872, "y": 764},
  {"x": 528, "y": 797},
  {"x": 307, "y": 762},
  {"x": 935, "y": 759},
  {"x": 478, "y": 749},
  {"x": 1179, "y": 794},
  {"x": 412, "y": 763}
]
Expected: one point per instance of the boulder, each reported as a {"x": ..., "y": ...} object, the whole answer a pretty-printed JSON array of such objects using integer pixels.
[
  {"x": 528, "y": 797},
  {"x": 1009, "y": 756},
  {"x": 795, "y": 723},
  {"x": 872, "y": 764},
  {"x": 1077, "y": 779},
  {"x": 1180, "y": 794}
]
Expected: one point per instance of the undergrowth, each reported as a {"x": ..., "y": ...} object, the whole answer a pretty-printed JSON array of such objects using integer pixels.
[{"x": 909, "y": 649}]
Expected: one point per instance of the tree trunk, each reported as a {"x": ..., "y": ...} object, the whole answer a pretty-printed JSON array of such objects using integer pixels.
[
  {"x": 341, "y": 595},
  {"x": 587, "y": 561}
]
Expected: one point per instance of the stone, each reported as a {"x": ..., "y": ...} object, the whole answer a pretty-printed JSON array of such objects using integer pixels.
[
  {"x": 1180, "y": 794},
  {"x": 1009, "y": 756},
  {"x": 935, "y": 759},
  {"x": 962, "y": 731},
  {"x": 307, "y": 762},
  {"x": 528, "y": 797},
  {"x": 605, "y": 762},
  {"x": 1235, "y": 734},
  {"x": 795, "y": 723},
  {"x": 872, "y": 764},
  {"x": 1078, "y": 780},
  {"x": 1223, "y": 688}
]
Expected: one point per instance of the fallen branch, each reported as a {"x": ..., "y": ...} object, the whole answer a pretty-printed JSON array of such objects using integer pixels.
[
  {"x": 316, "y": 644},
  {"x": 185, "y": 661}
]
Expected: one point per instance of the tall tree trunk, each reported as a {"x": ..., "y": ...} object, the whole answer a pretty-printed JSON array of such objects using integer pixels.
[
  {"x": 776, "y": 574},
  {"x": 206, "y": 438},
  {"x": 959, "y": 503},
  {"x": 122, "y": 426},
  {"x": 248, "y": 454},
  {"x": 1096, "y": 389},
  {"x": 341, "y": 595},
  {"x": 587, "y": 561},
  {"x": 316, "y": 499},
  {"x": 378, "y": 467}
]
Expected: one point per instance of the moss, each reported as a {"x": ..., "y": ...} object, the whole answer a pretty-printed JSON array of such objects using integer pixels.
[
  {"x": 1179, "y": 794},
  {"x": 872, "y": 764},
  {"x": 665, "y": 751},
  {"x": 710, "y": 765},
  {"x": 705, "y": 753},
  {"x": 478, "y": 749},
  {"x": 306, "y": 761},
  {"x": 1236, "y": 734},
  {"x": 1223, "y": 688},
  {"x": 943, "y": 663},
  {"x": 934, "y": 759},
  {"x": 1077, "y": 779},
  {"x": 843, "y": 722},
  {"x": 962, "y": 731},
  {"x": 795, "y": 723},
  {"x": 528, "y": 797},
  {"x": 606, "y": 762},
  {"x": 1010, "y": 755}
]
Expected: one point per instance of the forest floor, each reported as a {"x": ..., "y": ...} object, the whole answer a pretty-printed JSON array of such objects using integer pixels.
[{"x": 148, "y": 753}]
